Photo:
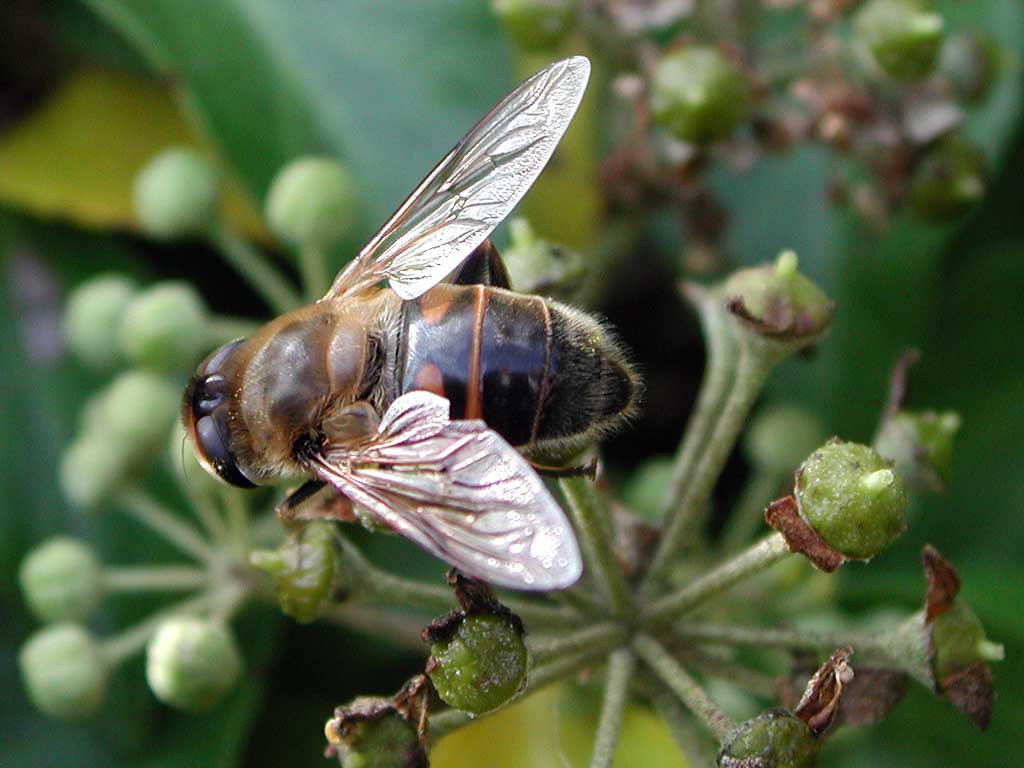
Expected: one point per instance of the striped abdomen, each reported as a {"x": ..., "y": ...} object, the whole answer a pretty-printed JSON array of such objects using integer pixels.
[{"x": 546, "y": 377}]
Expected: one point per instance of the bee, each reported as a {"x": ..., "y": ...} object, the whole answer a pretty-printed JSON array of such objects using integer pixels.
[{"x": 423, "y": 402}]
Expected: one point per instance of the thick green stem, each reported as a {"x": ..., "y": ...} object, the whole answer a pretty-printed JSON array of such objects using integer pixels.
[
  {"x": 131, "y": 641},
  {"x": 256, "y": 269},
  {"x": 313, "y": 269},
  {"x": 719, "y": 368},
  {"x": 163, "y": 521},
  {"x": 598, "y": 556},
  {"x": 787, "y": 639},
  {"x": 748, "y": 516},
  {"x": 683, "y": 685},
  {"x": 687, "y": 519},
  {"x": 621, "y": 664},
  {"x": 766, "y": 552},
  {"x": 596, "y": 638},
  {"x": 154, "y": 579}
]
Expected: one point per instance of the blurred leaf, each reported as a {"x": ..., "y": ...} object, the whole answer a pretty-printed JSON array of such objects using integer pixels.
[{"x": 76, "y": 156}]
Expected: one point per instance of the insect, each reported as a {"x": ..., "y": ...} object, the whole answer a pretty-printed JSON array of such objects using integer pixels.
[{"x": 423, "y": 402}]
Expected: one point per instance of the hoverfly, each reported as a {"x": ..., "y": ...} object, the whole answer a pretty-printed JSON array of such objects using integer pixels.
[{"x": 411, "y": 400}]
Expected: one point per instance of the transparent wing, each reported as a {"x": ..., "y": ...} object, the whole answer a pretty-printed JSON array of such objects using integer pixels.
[
  {"x": 461, "y": 492},
  {"x": 473, "y": 188}
]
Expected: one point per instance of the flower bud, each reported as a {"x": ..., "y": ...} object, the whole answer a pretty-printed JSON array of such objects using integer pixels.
[
  {"x": 312, "y": 201},
  {"x": 91, "y": 469},
  {"x": 852, "y": 498},
  {"x": 774, "y": 739},
  {"x": 64, "y": 672},
  {"x": 970, "y": 62},
  {"x": 191, "y": 663},
  {"x": 949, "y": 181},
  {"x": 781, "y": 436},
  {"x": 535, "y": 25},
  {"x": 164, "y": 328},
  {"x": 698, "y": 94},
  {"x": 777, "y": 301},
  {"x": 480, "y": 665},
  {"x": 303, "y": 568},
  {"x": 92, "y": 316},
  {"x": 175, "y": 194},
  {"x": 903, "y": 36},
  {"x": 381, "y": 739},
  {"x": 920, "y": 445},
  {"x": 134, "y": 413},
  {"x": 536, "y": 266},
  {"x": 958, "y": 641},
  {"x": 61, "y": 580}
]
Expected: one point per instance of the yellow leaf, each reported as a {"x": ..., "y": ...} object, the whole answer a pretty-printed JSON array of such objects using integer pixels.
[{"x": 76, "y": 155}]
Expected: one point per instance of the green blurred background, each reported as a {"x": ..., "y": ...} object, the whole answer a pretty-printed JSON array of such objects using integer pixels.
[{"x": 89, "y": 90}]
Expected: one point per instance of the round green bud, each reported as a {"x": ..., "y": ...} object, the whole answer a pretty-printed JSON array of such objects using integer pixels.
[
  {"x": 535, "y": 25},
  {"x": 920, "y": 445},
  {"x": 852, "y": 498},
  {"x": 480, "y": 666},
  {"x": 970, "y": 62},
  {"x": 781, "y": 436},
  {"x": 92, "y": 317},
  {"x": 61, "y": 580},
  {"x": 698, "y": 94},
  {"x": 949, "y": 181},
  {"x": 134, "y": 413},
  {"x": 63, "y": 671},
  {"x": 312, "y": 202},
  {"x": 386, "y": 740},
  {"x": 958, "y": 640},
  {"x": 175, "y": 194},
  {"x": 303, "y": 569},
  {"x": 191, "y": 663},
  {"x": 91, "y": 469},
  {"x": 774, "y": 739},
  {"x": 903, "y": 36},
  {"x": 778, "y": 301},
  {"x": 165, "y": 327}
]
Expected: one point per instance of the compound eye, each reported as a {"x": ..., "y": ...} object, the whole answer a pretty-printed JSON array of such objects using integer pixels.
[
  {"x": 211, "y": 433},
  {"x": 210, "y": 392}
]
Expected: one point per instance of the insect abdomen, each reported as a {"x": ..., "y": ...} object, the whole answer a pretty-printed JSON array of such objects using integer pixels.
[{"x": 539, "y": 373}]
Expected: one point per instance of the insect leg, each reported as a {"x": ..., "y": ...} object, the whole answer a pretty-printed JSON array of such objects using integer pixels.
[
  {"x": 484, "y": 266},
  {"x": 308, "y": 503},
  {"x": 588, "y": 470}
]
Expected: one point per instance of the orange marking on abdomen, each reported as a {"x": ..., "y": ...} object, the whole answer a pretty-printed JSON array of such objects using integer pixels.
[
  {"x": 429, "y": 379},
  {"x": 434, "y": 304},
  {"x": 474, "y": 408}
]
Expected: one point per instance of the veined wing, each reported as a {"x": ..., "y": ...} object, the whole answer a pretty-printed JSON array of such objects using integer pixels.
[
  {"x": 473, "y": 188},
  {"x": 461, "y": 492}
]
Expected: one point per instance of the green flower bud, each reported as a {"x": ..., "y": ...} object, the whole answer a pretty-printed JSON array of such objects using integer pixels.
[
  {"x": 134, "y": 413},
  {"x": 480, "y": 665},
  {"x": 191, "y": 663},
  {"x": 383, "y": 740},
  {"x": 61, "y": 580},
  {"x": 779, "y": 302},
  {"x": 949, "y": 181},
  {"x": 921, "y": 445},
  {"x": 303, "y": 568},
  {"x": 698, "y": 94},
  {"x": 903, "y": 36},
  {"x": 175, "y": 194},
  {"x": 91, "y": 469},
  {"x": 312, "y": 201},
  {"x": 774, "y": 739},
  {"x": 64, "y": 672},
  {"x": 782, "y": 436},
  {"x": 852, "y": 498},
  {"x": 535, "y": 25},
  {"x": 165, "y": 328},
  {"x": 970, "y": 62},
  {"x": 92, "y": 316},
  {"x": 958, "y": 640}
]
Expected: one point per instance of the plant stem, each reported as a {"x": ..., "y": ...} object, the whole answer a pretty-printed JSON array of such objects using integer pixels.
[
  {"x": 163, "y": 521},
  {"x": 688, "y": 517},
  {"x": 154, "y": 578},
  {"x": 687, "y": 738},
  {"x": 756, "y": 558},
  {"x": 598, "y": 637},
  {"x": 399, "y": 630},
  {"x": 597, "y": 552},
  {"x": 621, "y": 664},
  {"x": 132, "y": 640},
  {"x": 682, "y": 685},
  {"x": 221, "y": 328},
  {"x": 787, "y": 639},
  {"x": 238, "y": 518},
  {"x": 256, "y": 269},
  {"x": 748, "y": 516},
  {"x": 721, "y": 361},
  {"x": 313, "y": 269}
]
